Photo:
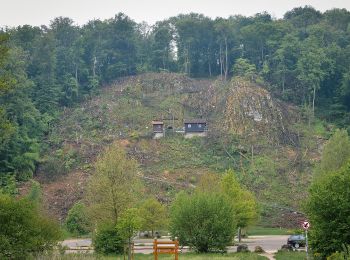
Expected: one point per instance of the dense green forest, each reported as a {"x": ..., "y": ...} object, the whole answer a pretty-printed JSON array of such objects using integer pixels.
[{"x": 303, "y": 59}]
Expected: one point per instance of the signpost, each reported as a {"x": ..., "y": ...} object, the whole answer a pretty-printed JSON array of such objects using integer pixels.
[
  {"x": 166, "y": 247},
  {"x": 306, "y": 226}
]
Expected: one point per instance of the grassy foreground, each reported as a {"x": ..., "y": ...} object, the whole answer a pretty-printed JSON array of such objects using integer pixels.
[
  {"x": 290, "y": 255},
  {"x": 194, "y": 256},
  {"x": 234, "y": 256}
]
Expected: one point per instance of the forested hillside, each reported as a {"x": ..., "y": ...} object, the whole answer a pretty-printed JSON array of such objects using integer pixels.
[{"x": 66, "y": 91}]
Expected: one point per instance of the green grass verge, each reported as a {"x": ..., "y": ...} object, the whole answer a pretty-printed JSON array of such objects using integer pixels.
[
  {"x": 194, "y": 256},
  {"x": 234, "y": 256},
  {"x": 290, "y": 255},
  {"x": 260, "y": 231},
  {"x": 68, "y": 235}
]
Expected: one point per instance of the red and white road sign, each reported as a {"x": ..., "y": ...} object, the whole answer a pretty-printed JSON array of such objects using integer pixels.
[{"x": 306, "y": 225}]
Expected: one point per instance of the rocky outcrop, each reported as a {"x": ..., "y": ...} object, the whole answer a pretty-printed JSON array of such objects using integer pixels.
[{"x": 251, "y": 111}]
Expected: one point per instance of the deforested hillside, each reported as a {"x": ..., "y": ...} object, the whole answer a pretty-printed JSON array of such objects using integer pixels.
[
  {"x": 197, "y": 128},
  {"x": 267, "y": 142},
  {"x": 269, "y": 90}
]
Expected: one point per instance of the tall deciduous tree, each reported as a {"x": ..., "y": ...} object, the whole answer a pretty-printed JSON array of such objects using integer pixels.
[
  {"x": 19, "y": 151},
  {"x": 6, "y": 127},
  {"x": 129, "y": 223},
  {"x": 302, "y": 17},
  {"x": 114, "y": 186},
  {"x": 336, "y": 153},
  {"x": 285, "y": 59},
  {"x": 244, "y": 204},
  {"x": 162, "y": 36},
  {"x": 224, "y": 30},
  {"x": 311, "y": 70},
  {"x": 46, "y": 92},
  {"x": 328, "y": 209},
  {"x": 153, "y": 214}
]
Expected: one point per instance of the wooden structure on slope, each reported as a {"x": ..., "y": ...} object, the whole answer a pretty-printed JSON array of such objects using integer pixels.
[
  {"x": 158, "y": 129},
  {"x": 195, "y": 127}
]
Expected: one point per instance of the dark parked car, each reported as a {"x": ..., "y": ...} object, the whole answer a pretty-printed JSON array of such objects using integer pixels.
[{"x": 296, "y": 241}]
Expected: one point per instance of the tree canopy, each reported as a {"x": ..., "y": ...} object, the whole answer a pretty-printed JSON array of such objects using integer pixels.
[
  {"x": 154, "y": 215},
  {"x": 243, "y": 201},
  {"x": 208, "y": 219},
  {"x": 328, "y": 208},
  {"x": 203, "y": 220},
  {"x": 114, "y": 187},
  {"x": 24, "y": 231},
  {"x": 335, "y": 154}
]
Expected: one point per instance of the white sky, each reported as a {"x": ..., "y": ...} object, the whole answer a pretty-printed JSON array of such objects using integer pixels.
[{"x": 38, "y": 12}]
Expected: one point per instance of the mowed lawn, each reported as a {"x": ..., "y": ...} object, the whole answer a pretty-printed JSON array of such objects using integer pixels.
[
  {"x": 235, "y": 256},
  {"x": 194, "y": 256},
  {"x": 290, "y": 255}
]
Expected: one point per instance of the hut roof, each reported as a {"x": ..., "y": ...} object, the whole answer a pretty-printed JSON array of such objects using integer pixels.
[
  {"x": 155, "y": 122},
  {"x": 195, "y": 121}
]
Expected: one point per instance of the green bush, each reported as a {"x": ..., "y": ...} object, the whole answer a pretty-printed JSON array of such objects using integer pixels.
[
  {"x": 8, "y": 184},
  {"x": 24, "y": 232},
  {"x": 53, "y": 167},
  {"x": 203, "y": 221},
  {"x": 77, "y": 221},
  {"x": 344, "y": 254},
  {"x": 336, "y": 256},
  {"x": 60, "y": 163},
  {"x": 107, "y": 240}
]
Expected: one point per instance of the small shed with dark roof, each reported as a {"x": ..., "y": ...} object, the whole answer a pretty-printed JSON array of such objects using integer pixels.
[{"x": 195, "y": 125}]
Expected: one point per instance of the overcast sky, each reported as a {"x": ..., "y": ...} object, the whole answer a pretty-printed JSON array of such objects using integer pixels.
[{"x": 38, "y": 12}]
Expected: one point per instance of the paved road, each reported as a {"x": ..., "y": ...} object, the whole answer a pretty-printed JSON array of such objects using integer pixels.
[
  {"x": 78, "y": 245},
  {"x": 71, "y": 243},
  {"x": 269, "y": 243}
]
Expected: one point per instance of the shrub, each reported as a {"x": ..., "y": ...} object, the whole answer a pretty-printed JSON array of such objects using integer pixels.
[
  {"x": 77, "y": 221},
  {"x": 8, "y": 184},
  {"x": 53, "y": 167},
  {"x": 259, "y": 249},
  {"x": 286, "y": 247},
  {"x": 60, "y": 163},
  {"x": 23, "y": 230},
  {"x": 243, "y": 248},
  {"x": 107, "y": 240},
  {"x": 193, "y": 179},
  {"x": 344, "y": 254},
  {"x": 203, "y": 221},
  {"x": 336, "y": 256},
  {"x": 35, "y": 193}
]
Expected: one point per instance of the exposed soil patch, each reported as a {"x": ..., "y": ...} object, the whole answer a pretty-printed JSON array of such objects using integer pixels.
[{"x": 60, "y": 195}]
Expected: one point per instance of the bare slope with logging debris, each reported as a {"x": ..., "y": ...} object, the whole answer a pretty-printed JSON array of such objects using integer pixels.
[{"x": 249, "y": 131}]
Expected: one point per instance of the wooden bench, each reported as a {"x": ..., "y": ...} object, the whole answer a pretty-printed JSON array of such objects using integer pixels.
[{"x": 165, "y": 247}]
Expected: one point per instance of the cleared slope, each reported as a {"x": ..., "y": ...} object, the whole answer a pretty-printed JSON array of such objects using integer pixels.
[{"x": 264, "y": 140}]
